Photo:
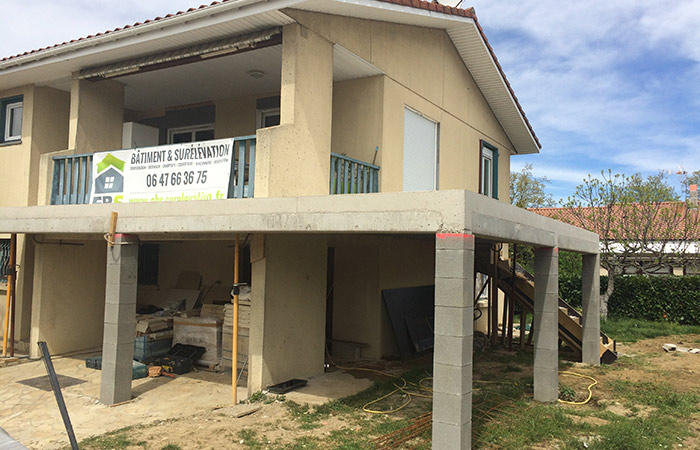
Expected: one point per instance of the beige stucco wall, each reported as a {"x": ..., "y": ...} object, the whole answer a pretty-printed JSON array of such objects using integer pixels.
[
  {"x": 44, "y": 129},
  {"x": 364, "y": 266},
  {"x": 357, "y": 118},
  {"x": 287, "y": 333},
  {"x": 293, "y": 159},
  {"x": 423, "y": 71},
  {"x": 16, "y": 157},
  {"x": 237, "y": 117},
  {"x": 50, "y": 118},
  {"x": 68, "y": 307},
  {"x": 213, "y": 259},
  {"x": 96, "y": 116}
]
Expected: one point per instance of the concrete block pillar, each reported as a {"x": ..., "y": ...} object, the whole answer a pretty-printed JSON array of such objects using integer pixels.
[
  {"x": 120, "y": 320},
  {"x": 301, "y": 145},
  {"x": 288, "y": 308},
  {"x": 96, "y": 116},
  {"x": 454, "y": 333},
  {"x": 590, "y": 289},
  {"x": 546, "y": 323}
]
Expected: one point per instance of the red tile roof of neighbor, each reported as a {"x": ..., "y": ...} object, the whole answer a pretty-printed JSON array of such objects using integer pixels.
[
  {"x": 669, "y": 222},
  {"x": 418, "y": 4}
]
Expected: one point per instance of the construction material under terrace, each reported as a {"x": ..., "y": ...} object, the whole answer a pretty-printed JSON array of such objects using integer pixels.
[{"x": 318, "y": 268}]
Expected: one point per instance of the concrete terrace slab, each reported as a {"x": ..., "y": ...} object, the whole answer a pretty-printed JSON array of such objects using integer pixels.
[{"x": 454, "y": 211}]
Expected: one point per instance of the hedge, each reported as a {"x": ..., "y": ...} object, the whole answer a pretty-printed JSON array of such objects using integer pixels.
[{"x": 657, "y": 298}]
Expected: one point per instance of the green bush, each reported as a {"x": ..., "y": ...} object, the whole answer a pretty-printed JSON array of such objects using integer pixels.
[{"x": 657, "y": 298}]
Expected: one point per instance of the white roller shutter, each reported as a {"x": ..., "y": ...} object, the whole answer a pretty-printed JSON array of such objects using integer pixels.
[{"x": 419, "y": 152}]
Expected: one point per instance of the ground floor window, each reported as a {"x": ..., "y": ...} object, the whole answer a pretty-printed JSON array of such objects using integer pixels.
[
  {"x": 149, "y": 256},
  {"x": 4, "y": 259}
]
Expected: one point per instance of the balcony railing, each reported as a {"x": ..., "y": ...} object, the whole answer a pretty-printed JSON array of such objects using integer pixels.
[
  {"x": 72, "y": 174},
  {"x": 72, "y": 179},
  {"x": 351, "y": 176},
  {"x": 242, "y": 181}
]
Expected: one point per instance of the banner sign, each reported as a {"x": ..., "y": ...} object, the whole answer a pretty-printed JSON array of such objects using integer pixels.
[{"x": 169, "y": 173}]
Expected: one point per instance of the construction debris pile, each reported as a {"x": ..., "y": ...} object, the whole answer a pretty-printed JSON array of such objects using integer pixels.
[{"x": 180, "y": 328}]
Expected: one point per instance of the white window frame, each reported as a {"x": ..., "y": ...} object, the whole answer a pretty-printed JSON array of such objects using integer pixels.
[
  {"x": 192, "y": 129},
  {"x": 487, "y": 174},
  {"x": 262, "y": 114},
  {"x": 8, "y": 121},
  {"x": 488, "y": 179}
]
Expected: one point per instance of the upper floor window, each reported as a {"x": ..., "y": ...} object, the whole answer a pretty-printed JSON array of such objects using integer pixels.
[
  {"x": 11, "y": 111},
  {"x": 268, "y": 112},
  {"x": 191, "y": 134},
  {"x": 421, "y": 137},
  {"x": 489, "y": 170}
]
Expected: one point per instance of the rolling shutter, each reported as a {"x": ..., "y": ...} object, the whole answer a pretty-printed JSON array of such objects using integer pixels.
[{"x": 419, "y": 152}]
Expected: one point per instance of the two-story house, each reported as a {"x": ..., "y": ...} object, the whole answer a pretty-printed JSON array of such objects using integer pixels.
[{"x": 370, "y": 145}]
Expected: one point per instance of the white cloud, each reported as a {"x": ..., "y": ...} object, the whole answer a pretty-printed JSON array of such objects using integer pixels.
[
  {"x": 605, "y": 84},
  {"x": 30, "y": 25}
]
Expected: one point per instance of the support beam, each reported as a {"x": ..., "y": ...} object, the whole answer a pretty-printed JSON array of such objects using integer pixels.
[
  {"x": 590, "y": 289},
  {"x": 120, "y": 319},
  {"x": 546, "y": 379},
  {"x": 454, "y": 333}
]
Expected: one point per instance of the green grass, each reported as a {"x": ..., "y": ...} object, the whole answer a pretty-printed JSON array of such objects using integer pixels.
[
  {"x": 658, "y": 395},
  {"x": 525, "y": 423},
  {"x": 653, "y": 432},
  {"x": 171, "y": 447},
  {"x": 633, "y": 330},
  {"x": 111, "y": 441}
]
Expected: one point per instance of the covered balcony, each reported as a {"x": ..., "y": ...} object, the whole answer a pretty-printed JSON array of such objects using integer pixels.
[{"x": 260, "y": 89}]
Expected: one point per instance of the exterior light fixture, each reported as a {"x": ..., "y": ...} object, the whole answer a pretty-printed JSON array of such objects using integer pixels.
[{"x": 256, "y": 74}]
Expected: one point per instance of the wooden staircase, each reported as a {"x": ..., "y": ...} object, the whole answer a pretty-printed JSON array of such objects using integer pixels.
[{"x": 570, "y": 320}]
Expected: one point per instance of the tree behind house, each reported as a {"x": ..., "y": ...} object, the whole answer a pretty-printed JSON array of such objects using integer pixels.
[
  {"x": 641, "y": 223},
  {"x": 528, "y": 191}
]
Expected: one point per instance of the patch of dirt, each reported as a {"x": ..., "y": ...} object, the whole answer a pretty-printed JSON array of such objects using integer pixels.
[
  {"x": 596, "y": 421},
  {"x": 617, "y": 408},
  {"x": 219, "y": 429},
  {"x": 650, "y": 363}
]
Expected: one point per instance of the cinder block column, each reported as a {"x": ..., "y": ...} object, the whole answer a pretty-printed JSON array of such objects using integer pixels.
[
  {"x": 546, "y": 324},
  {"x": 590, "y": 289},
  {"x": 120, "y": 320},
  {"x": 454, "y": 333}
]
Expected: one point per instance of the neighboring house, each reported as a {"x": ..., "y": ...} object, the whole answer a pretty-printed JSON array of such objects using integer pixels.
[
  {"x": 660, "y": 238},
  {"x": 400, "y": 102}
]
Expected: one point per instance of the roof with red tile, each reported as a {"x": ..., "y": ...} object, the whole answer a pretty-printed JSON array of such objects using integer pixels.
[
  {"x": 671, "y": 220},
  {"x": 418, "y": 4}
]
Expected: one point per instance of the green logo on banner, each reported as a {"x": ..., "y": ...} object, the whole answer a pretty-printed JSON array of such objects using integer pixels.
[{"x": 110, "y": 160}]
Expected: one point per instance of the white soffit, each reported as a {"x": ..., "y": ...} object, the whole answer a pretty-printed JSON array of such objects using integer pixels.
[
  {"x": 45, "y": 67},
  {"x": 481, "y": 65},
  {"x": 348, "y": 66}
]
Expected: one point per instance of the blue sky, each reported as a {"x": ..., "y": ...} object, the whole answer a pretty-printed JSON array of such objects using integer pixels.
[{"x": 606, "y": 85}]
